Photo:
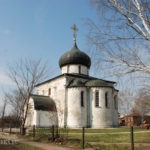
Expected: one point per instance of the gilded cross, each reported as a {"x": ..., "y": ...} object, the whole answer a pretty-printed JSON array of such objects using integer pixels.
[{"x": 75, "y": 29}]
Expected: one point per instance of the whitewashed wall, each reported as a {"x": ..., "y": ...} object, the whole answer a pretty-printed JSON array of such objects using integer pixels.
[
  {"x": 74, "y": 69},
  {"x": 45, "y": 118},
  {"x": 77, "y": 115},
  {"x": 40, "y": 118},
  {"x": 57, "y": 87},
  {"x": 102, "y": 117},
  {"x": 64, "y": 69}
]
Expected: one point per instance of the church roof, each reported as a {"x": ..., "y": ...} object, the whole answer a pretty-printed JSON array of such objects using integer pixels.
[
  {"x": 99, "y": 83},
  {"x": 78, "y": 80},
  {"x": 43, "y": 103},
  {"x": 75, "y": 56}
]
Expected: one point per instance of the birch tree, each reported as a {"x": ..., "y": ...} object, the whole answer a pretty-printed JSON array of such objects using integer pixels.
[
  {"x": 121, "y": 36},
  {"x": 26, "y": 74}
]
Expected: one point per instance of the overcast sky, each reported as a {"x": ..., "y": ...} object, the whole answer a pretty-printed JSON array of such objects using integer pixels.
[{"x": 40, "y": 29}]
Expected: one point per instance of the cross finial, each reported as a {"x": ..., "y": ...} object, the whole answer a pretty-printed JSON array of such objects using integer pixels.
[{"x": 75, "y": 29}]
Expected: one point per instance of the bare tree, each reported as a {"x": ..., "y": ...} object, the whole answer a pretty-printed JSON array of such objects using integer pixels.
[
  {"x": 121, "y": 36},
  {"x": 125, "y": 101},
  {"x": 142, "y": 103},
  {"x": 15, "y": 100},
  {"x": 3, "y": 111},
  {"x": 26, "y": 74}
]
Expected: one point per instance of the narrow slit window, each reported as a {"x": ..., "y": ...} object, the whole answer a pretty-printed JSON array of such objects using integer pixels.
[
  {"x": 82, "y": 98},
  {"x": 79, "y": 69},
  {"x": 49, "y": 91},
  {"x": 43, "y": 92},
  {"x": 97, "y": 98},
  {"x": 67, "y": 69},
  {"x": 106, "y": 100}
]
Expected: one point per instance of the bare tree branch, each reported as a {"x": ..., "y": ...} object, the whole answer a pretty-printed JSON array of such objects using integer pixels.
[
  {"x": 26, "y": 74},
  {"x": 142, "y": 103},
  {"x": 124, "y": 26}
]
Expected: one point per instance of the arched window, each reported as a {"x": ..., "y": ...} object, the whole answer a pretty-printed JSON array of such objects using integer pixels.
[
  {"x": 43, "y": 92},
  {"x": 49, "y": 91},
  {"x": 82, "y": 98},
  {"x": 67, "y": 69},
  {"x": 115, "y": 102},
  {"x": 97, "y": 98},
  {"x": 106, "y": 100}
]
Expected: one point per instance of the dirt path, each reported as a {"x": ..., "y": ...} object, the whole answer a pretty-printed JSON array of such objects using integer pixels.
[
  {"x": 44, "y": 146},
  {"x": 51, "y": 146}
]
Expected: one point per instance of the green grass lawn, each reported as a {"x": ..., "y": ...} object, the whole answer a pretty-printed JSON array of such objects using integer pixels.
[
  {"x": 114, "y": 138},
  {"x": 118, "y": 135},
  {"x": 108, "y": 130}
]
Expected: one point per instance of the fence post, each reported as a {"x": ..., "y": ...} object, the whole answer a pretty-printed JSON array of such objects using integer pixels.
[
  {"x": 66, "y": 133},
  {"x": 33, "y": 131},
  {"x": 57, "y": 132},
  {"x": 132, "y": 137},
  {"x": 20, "y": 130},
  {"x": 2, "y": 125},
  {"x": 53, "y": 133},
  {"x": 10, "y": 128},
  {"x": 83, "y": 138}
]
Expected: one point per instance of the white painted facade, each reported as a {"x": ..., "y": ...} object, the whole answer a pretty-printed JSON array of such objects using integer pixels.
[
  {"x": 78, "y": 69},
  {"x": 77, "y": 114},
  {"x": 77, "y": 104},
  {"x": 40, "y": 118},
  {"x": 104, "y": 116},
  {"x": 72, "y": 114}
]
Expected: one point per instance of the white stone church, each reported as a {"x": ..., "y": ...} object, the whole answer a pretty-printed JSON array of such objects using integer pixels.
[{"x": 74, "y": 99}]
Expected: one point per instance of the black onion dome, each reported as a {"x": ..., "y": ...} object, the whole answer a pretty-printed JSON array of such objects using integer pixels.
[{"x": 75, "y": 56}]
